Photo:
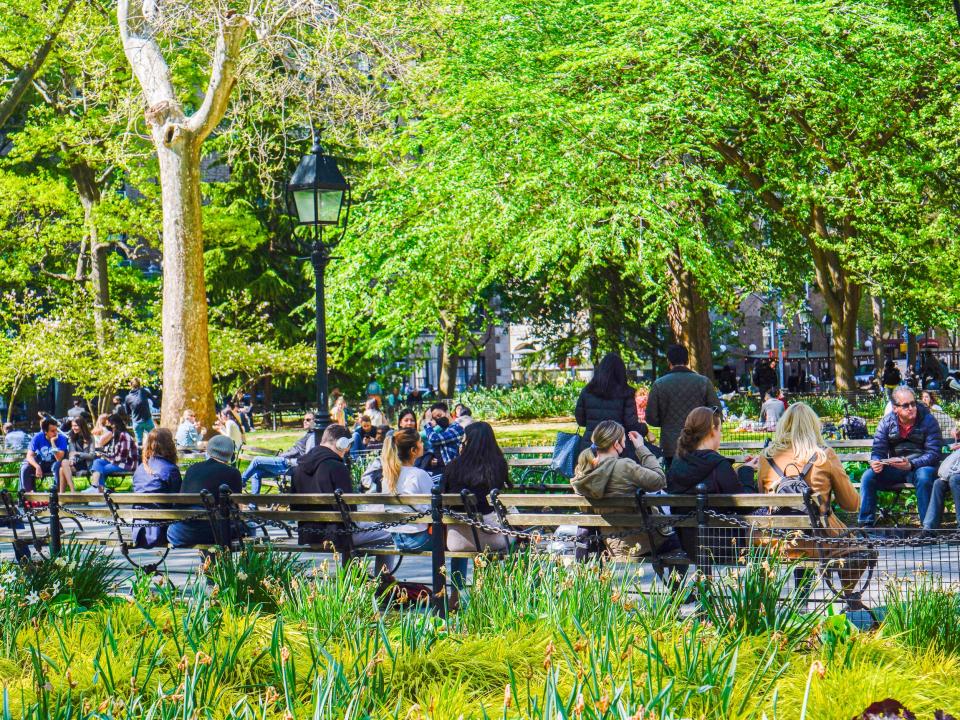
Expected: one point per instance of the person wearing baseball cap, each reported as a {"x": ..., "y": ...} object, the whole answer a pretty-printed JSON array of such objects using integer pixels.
[{"x": 208, "y": 475}]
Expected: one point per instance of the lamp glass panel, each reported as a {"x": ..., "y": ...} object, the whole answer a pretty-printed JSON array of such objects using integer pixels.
[{"x": 328, "y": 206}]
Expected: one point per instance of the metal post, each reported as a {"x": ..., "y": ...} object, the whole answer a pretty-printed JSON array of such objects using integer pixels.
[
  {"x": 320, "y": 257},
  {"x": 779, "y": 340},
  {"x": 225, "y": 532},
  {"x": 701, "y": 527},
  {"x": 54, "y": 509},
  {"x": 438, "y": 556}
]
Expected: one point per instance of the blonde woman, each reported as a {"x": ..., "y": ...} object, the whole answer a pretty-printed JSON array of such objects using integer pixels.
[
  {"x": 602, "y": 472},
  {"x": 797, "y": 441},
  {"x": 400, "y": 477},
  {"x": 338, "y": 413}
]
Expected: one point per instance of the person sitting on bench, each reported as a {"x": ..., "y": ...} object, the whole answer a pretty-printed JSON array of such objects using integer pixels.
[
  {"x": 271, "y": 467},
  {"x": 158, "y": 473},
  {"x": 119, "y": 457},
  {"x": 208, "y": 475},
  {"x": 322, "y": 470},
  {"x": 906, "y": 449},
  {"x": 480, "y": 468},
  {"x": 46, "y": 451},
  {"x": 80, "y": 453},
  {"x": 699, "y": 460},
  {"x": 604, "y": 471}
]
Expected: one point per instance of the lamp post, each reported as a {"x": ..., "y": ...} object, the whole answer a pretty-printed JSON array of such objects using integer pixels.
[
  {"x": 317, "y": 193},
  {"x": 827, "y": 323},
  {"x": 805, "y": 316}
]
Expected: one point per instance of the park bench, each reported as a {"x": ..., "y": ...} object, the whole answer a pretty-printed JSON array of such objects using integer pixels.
[{"x": 704, "y": 523}]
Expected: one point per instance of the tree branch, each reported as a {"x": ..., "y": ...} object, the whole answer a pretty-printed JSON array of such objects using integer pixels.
[
  {"x": 143, "y": 54},
  {"x": 233, "y": 28},
  {"x": 29, "y": 71}
]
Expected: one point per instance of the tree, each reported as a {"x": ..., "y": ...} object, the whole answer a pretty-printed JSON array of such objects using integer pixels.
[
  {"x": 177, "y": 140},
  {"x": 27, "y": 72},
  {"x": 826, "y": 113}
]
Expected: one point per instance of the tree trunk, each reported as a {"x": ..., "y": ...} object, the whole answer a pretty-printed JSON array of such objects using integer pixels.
[
  {"x": 89, "y": 191},
  {"x": 689, "y": 315},
  {"x": 877, "y": 308},
  {"x": 187, "y": 382},
  {"x": 23, "y": 79},
  {"x": 842, "y": 297},
  {"x": 449, "y": 362}
]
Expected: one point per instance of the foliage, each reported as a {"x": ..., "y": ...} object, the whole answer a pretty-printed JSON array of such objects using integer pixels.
[
  {"x": 256, "y": 576},
  {"x": 240, "y": 359},
  {"x": 534, "y": 639},
  {"x": 923, "y": 612},
  {"x": 761, "y": 598},
  {"x": 525, "y": 402}
]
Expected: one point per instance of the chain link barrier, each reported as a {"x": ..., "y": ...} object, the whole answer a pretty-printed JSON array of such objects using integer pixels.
[
  {"x": 860, "y": 536},
  {"x": 655, "y": 523},
  {"x": 126, "y": 524}
]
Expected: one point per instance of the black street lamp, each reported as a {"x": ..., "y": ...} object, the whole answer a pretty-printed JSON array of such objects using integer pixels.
[
  {"x": 827, "y": 323},
  {"x": 318, "y": 192}
]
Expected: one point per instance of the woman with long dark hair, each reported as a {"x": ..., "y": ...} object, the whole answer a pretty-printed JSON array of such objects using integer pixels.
[
  {"x": 80, "y": 453},
  {"x": 608, "y": 396},
  {"x": 407, "y": 420},
  {"x": 480, "y": 468},
  {"x": 158, "y": 473},
  {"x": 120, "y": 456}
]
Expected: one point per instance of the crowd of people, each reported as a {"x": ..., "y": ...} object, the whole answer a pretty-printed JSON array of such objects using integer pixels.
[{"x": 618, "y": 454}]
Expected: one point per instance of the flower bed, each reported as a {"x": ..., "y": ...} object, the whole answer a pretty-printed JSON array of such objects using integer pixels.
[{"x": 260, "y": 636}]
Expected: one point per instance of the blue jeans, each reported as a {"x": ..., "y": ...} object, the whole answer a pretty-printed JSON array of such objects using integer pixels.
[
  {"x": 105, "y": 468},
  {"x": 261, "y": 467},
  {"x": 938, "y": 499},
  {"x": 887, "y": 478},
  {"x": 421, "y": 541},
  {"x": 413, "y": 542},
  {"x": 141, "y": 428}
]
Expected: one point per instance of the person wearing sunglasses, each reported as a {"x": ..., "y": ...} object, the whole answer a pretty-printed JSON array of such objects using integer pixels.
[{"x": 906, "y": 449}]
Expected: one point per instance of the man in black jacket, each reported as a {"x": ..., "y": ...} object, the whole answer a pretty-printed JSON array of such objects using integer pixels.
[
  {"x": 765, "y": 378},
  {"x": 322, "y": 470}
]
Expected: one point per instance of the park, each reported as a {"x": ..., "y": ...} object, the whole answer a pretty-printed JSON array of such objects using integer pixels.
[{"x": 560, "y": 359}]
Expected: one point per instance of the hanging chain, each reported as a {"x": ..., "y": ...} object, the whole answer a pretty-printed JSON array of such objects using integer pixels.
[{"x": 123, "y": 523}]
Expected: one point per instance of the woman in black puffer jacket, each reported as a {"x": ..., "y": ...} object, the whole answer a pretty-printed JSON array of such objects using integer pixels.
[{"x": 608, "y": 397}]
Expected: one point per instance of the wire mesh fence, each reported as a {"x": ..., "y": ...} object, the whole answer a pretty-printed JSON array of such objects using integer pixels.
[{"x": 847, "y": 565}]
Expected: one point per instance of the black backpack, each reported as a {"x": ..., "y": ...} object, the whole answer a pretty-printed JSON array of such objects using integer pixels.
[
  {"x": 857, "y": 428},
  {"x": 791, "y": 484}
]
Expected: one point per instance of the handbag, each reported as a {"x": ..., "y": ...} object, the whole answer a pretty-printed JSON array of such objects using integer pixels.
[{"x": 565, "y": 453}]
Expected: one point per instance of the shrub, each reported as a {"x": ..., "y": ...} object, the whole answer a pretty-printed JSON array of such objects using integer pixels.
[
  {"x": 923, "y": 613},
  {"x": 758, "y": 599},
  {"x": 255, "y": 576},
  {"x": 526, "y": 402}
]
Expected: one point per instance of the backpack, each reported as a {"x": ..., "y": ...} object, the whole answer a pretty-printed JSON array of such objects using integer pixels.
[
  {"x": 791, "y": 484},
  {"x": 856, "y": 428}
]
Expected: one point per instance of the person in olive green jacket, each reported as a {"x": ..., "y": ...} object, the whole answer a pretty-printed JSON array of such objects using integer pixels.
[{"x": 602, "y": 473}]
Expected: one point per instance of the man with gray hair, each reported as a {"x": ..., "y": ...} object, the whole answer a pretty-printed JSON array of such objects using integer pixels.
[{"x": 906, "y": 449}]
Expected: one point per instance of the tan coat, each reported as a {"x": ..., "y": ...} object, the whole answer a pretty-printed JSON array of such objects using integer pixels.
[
  {"x": 827, "y": 478},
  {"x": 620, "y": 477}
]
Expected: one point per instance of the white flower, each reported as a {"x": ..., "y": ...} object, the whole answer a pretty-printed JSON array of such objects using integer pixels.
[
  {"x": 10, "y": 577},
  {"x": 33, "y": 598},
  {"x": 56, "y": 587},
  {"x": 241, "y": 576},
  {"x": 60, "y": 561}
]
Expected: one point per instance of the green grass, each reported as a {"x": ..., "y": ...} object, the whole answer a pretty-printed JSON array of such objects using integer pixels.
[{"x": 534, "y": 639}]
